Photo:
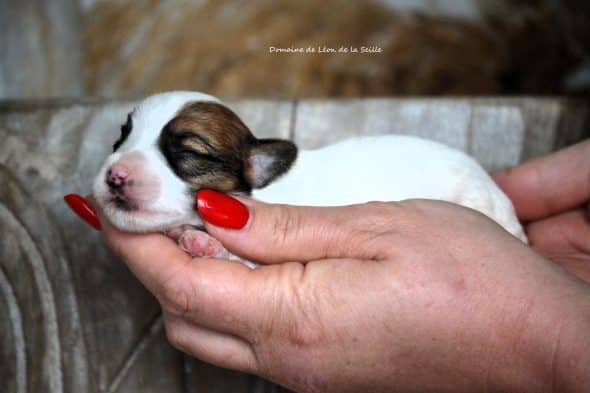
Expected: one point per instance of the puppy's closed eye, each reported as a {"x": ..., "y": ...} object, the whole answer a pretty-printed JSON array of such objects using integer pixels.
[{"x": 195, "y": 143}]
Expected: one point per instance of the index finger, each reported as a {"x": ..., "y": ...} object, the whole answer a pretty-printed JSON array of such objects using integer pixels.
[
  {"x": 548, "y": 185},
  {"x": 217, "y": 294}
]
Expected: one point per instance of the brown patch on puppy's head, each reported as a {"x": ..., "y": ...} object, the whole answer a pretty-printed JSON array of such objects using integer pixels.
[{"x": 208, "y": 146}]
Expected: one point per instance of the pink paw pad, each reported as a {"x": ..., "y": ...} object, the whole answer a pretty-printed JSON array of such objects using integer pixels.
[
  {"x": 176, "y": 232},
  {"x": 199, "y": 244}
]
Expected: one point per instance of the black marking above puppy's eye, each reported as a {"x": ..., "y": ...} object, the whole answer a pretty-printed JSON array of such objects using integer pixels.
[{"x": 125, "y": 131}]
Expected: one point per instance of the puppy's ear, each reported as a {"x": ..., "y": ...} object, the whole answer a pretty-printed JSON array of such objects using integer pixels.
[{"x": 267, "y": 160}]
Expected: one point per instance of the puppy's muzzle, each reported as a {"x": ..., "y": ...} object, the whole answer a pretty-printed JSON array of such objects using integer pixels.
[
  {"x": 119, "y": 180},
  {"x": 117, "y": 177}
]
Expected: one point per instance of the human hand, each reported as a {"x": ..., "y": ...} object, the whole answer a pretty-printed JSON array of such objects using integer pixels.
[
  {"x": 411, "y": 296},
  {"x": 552, "y": 197}
]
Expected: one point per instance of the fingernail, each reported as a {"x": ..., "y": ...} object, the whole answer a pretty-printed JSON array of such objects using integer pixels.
[
  {"x": 79, "y": 205},
  {"x": 222, "y": 210}
]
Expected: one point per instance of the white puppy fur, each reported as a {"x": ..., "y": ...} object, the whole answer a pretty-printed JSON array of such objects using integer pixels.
[
  {"x": 383, "y": 168},
  {"x": 391, "y": 168}
]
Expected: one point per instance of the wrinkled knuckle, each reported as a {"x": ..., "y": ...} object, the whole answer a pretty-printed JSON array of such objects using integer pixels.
[
  {"x": 175, "y": 297},
  {"x": 293, "y": 317},
  {"x": 175, "y": 335},
  {"x": 286, "y": 224},
  {"x": 305, "y": 331},
  {"x": 304, "y": 334}
]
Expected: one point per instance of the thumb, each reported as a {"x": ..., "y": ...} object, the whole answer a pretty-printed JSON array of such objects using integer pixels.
[{"x": 276, "y": 233}]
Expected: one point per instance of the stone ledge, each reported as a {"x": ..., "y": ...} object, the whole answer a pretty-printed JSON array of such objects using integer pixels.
[{"x": 498, "y": 131}]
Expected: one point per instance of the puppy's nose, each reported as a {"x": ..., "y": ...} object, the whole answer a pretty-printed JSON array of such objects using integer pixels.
[{"x": 117, "y": 176}]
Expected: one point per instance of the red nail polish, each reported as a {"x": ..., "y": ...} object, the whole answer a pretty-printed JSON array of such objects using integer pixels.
[
  {"x": 79, "y": 205},
  {"x": 222, "y": 210}
]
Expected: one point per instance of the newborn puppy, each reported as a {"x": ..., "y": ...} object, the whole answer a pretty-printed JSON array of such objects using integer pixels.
[{"x": 176, "y": 143}]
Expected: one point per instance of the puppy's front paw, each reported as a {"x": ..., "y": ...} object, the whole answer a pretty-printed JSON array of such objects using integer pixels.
[{"x": 199, "y": 244}]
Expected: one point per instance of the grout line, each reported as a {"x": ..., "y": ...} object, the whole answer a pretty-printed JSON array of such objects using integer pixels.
[
  {"x": 469, "y": 136},
  {"x": 293, "y": 120},
  {"x": 154, "y": 327}
]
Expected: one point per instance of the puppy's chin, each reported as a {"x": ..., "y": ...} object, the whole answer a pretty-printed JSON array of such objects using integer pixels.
[
  {"x": 146, "y": 216},
  {"x": 143, "y": 220}
]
